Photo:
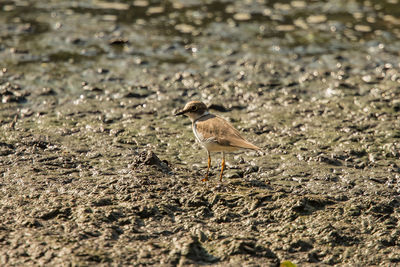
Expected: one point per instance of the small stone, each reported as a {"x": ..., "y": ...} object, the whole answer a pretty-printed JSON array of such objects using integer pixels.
[
  {"x": 46, "y": 91},
  {"x": 242, "y": 16},
  {"x": 285, "y": 28},
  {"x": 102, "y": 71},
  {"x": 155, "y": 10},
  {"x": 185, "y": 28},
  {"x": 315, "y": 19},
  {"x": 140, "y": 3},
  {"x": 362, "y": 28}
]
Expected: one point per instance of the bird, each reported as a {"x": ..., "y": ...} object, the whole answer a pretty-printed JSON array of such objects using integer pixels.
[{"x": 214, "y": 133}]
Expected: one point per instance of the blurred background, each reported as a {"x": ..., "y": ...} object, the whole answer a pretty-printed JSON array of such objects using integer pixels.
[{"x": 64, "y": 43}]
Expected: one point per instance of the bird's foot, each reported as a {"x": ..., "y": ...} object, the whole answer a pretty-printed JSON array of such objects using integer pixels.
[{"x": 205, "y": 179}]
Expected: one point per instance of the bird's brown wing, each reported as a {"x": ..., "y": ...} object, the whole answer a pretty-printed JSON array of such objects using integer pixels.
[{"x": 212, "y": 127}]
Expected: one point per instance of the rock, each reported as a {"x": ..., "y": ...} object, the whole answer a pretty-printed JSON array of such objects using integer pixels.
[
  {"x": 148, "y": 211},
  {"x": 149, "y": 158},
  {"x": 188, "y": 250},
  {"x": 102, "y": 202},
  {"x": 300, "y": 245},
  {"x": 55, "y": 213},
  {"x": 32, "y": 223}
]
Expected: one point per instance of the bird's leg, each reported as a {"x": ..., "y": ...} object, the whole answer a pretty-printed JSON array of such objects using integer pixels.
[
  {"x": 222, "y": 166},
  {"x": 205, "y": 179}
]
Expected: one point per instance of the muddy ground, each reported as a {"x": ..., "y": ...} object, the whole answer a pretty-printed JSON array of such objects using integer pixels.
[{"x": 95, "y": 169}]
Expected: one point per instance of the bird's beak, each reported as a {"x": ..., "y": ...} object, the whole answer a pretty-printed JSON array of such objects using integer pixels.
[{"x": 180, "y": 112}]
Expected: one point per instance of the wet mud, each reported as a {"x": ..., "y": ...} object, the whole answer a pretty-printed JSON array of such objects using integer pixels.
[{"x": 96, "y": 170}]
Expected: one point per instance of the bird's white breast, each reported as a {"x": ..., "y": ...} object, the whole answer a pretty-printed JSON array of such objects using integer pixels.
[{"x": 198, "y": 135}]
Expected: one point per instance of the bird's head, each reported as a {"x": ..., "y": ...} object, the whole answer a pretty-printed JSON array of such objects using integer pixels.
[{"x": 194, "y": 110}]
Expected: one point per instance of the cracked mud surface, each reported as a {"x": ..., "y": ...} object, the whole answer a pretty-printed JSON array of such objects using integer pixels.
[{"x": 95, "y": 169}]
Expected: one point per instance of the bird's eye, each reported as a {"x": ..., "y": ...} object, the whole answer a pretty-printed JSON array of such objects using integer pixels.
[{"x": 194, "y": 108}]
